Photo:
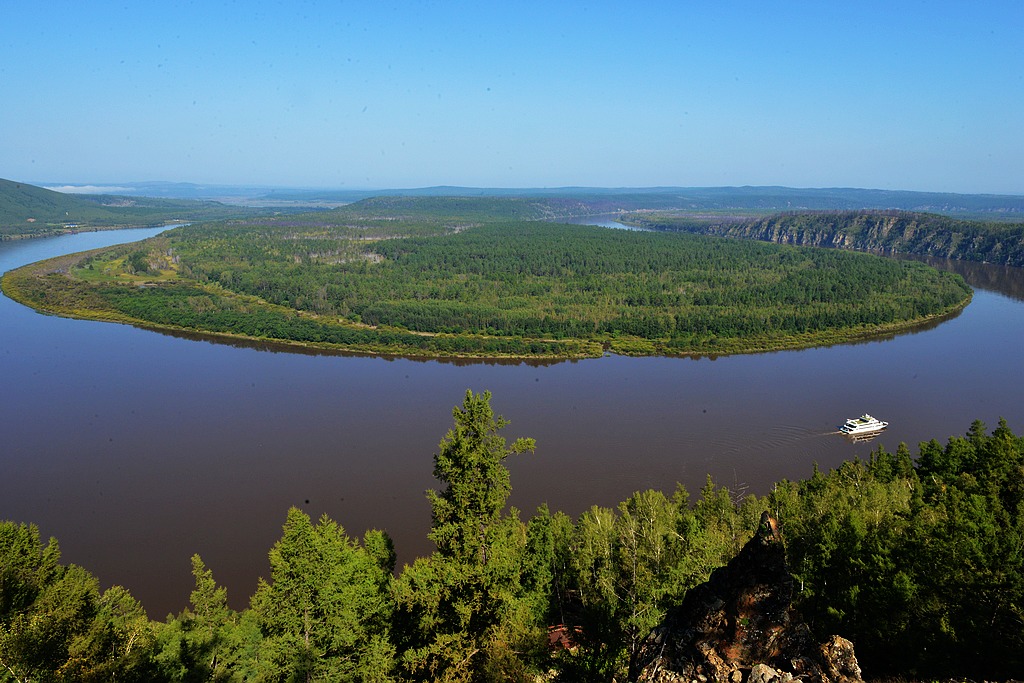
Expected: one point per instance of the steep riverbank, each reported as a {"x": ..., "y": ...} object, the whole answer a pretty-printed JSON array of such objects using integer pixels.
[{"x": 888, "y": 232}]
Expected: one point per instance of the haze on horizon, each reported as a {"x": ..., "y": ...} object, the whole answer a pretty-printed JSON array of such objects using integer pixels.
[{"x": 896, "y": 95}]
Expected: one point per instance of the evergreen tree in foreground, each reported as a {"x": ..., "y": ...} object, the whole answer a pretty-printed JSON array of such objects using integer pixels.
[
  {"x": 464, "y": 611},
  {"x": 326, "y": 613},
  {"x": 471, "y": 465}
]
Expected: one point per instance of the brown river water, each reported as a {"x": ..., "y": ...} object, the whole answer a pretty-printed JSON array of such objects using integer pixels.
[{"x": 137, "y": 449}]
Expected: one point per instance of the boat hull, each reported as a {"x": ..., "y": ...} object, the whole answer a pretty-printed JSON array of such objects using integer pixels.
[
  {"x": 865, "y": 424},
  {"x": 866, "y": 430}
]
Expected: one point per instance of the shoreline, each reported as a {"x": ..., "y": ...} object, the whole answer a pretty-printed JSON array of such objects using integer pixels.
[{"x": 62, "y": 232}]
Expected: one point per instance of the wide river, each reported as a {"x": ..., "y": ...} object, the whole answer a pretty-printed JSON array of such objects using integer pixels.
[{"x": 137, "y": 449}]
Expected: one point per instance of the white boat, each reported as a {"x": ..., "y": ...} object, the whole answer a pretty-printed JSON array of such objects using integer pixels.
[{"x": 865, "y": 424}]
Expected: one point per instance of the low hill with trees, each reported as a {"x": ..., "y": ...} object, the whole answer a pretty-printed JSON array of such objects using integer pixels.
[{"x": 31, "y": 211}]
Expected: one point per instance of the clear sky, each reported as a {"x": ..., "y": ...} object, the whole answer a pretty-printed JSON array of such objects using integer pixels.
[{"x": 893, "y": 95}]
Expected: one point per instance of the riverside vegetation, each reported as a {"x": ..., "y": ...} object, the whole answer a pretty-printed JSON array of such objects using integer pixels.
[
  {"x": 482, "y": 277},
  {"x": 917, "y": 560}
]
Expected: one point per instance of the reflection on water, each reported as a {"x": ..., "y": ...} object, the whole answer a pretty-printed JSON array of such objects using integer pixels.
[
  {"x": 281, "y": 347},
  {"x": 1006, "y": 280},
  {"x": 861, "y": 438}
]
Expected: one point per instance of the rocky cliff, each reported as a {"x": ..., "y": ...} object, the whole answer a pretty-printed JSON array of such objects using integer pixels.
[
  {"x": 740, "y": 627},
  {"x": 891, "y": 232}
]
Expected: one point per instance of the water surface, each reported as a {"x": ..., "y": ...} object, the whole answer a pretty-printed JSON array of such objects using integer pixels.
[{"x": 137, "y": 449}]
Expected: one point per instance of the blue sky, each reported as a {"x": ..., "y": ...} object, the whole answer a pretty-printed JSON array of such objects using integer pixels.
[{"x": 893, "y": 95}]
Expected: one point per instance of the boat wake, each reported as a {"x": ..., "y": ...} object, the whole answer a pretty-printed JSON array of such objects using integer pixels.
[{"x": 777, "y": 437}]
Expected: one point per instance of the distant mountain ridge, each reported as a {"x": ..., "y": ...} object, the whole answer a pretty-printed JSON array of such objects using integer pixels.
[
  {"x": 756, "y": 198},
  {"x": 714, "y": 198},
  {"x": 27, "y": 210}
]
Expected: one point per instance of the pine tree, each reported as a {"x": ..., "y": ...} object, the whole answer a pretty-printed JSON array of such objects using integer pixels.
[{"x": 462, "y": 609}]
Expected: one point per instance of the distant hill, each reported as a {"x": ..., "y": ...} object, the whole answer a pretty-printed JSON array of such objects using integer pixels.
[
  {"x": 31, "y": 211},
  {"x": 762, "y": 199},
  {"x": 20, "y": 202},
  {"x": 27, "y": 210},
  {"x": 766, "y": 199},
  {"x": 160, "y": 188},
  {"x": 470, "y": 208}
]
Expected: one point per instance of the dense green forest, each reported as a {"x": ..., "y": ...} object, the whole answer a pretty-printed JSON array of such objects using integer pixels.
[
  {"x": 919, "y": 560},
  {"x": 456, "y": 277},
  {"x": 30, "y": 211},
  {"x": 891, "y": 232}
]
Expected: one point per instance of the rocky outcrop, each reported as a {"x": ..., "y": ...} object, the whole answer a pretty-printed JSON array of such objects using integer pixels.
[
  {"x": 888, "y": 232},
  {"x": 739, "y": 627}
]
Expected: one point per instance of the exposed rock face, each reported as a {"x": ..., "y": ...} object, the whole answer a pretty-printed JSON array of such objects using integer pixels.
[
  {"x": 739, "y": 627},
  {"x": 890, "y": 232},
  {"x": 879, "y": 231}
]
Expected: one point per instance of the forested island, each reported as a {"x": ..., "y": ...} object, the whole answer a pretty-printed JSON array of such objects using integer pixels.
[
  {"x": 487, "y": 277},
  {"x": 915, "y": 558}
]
